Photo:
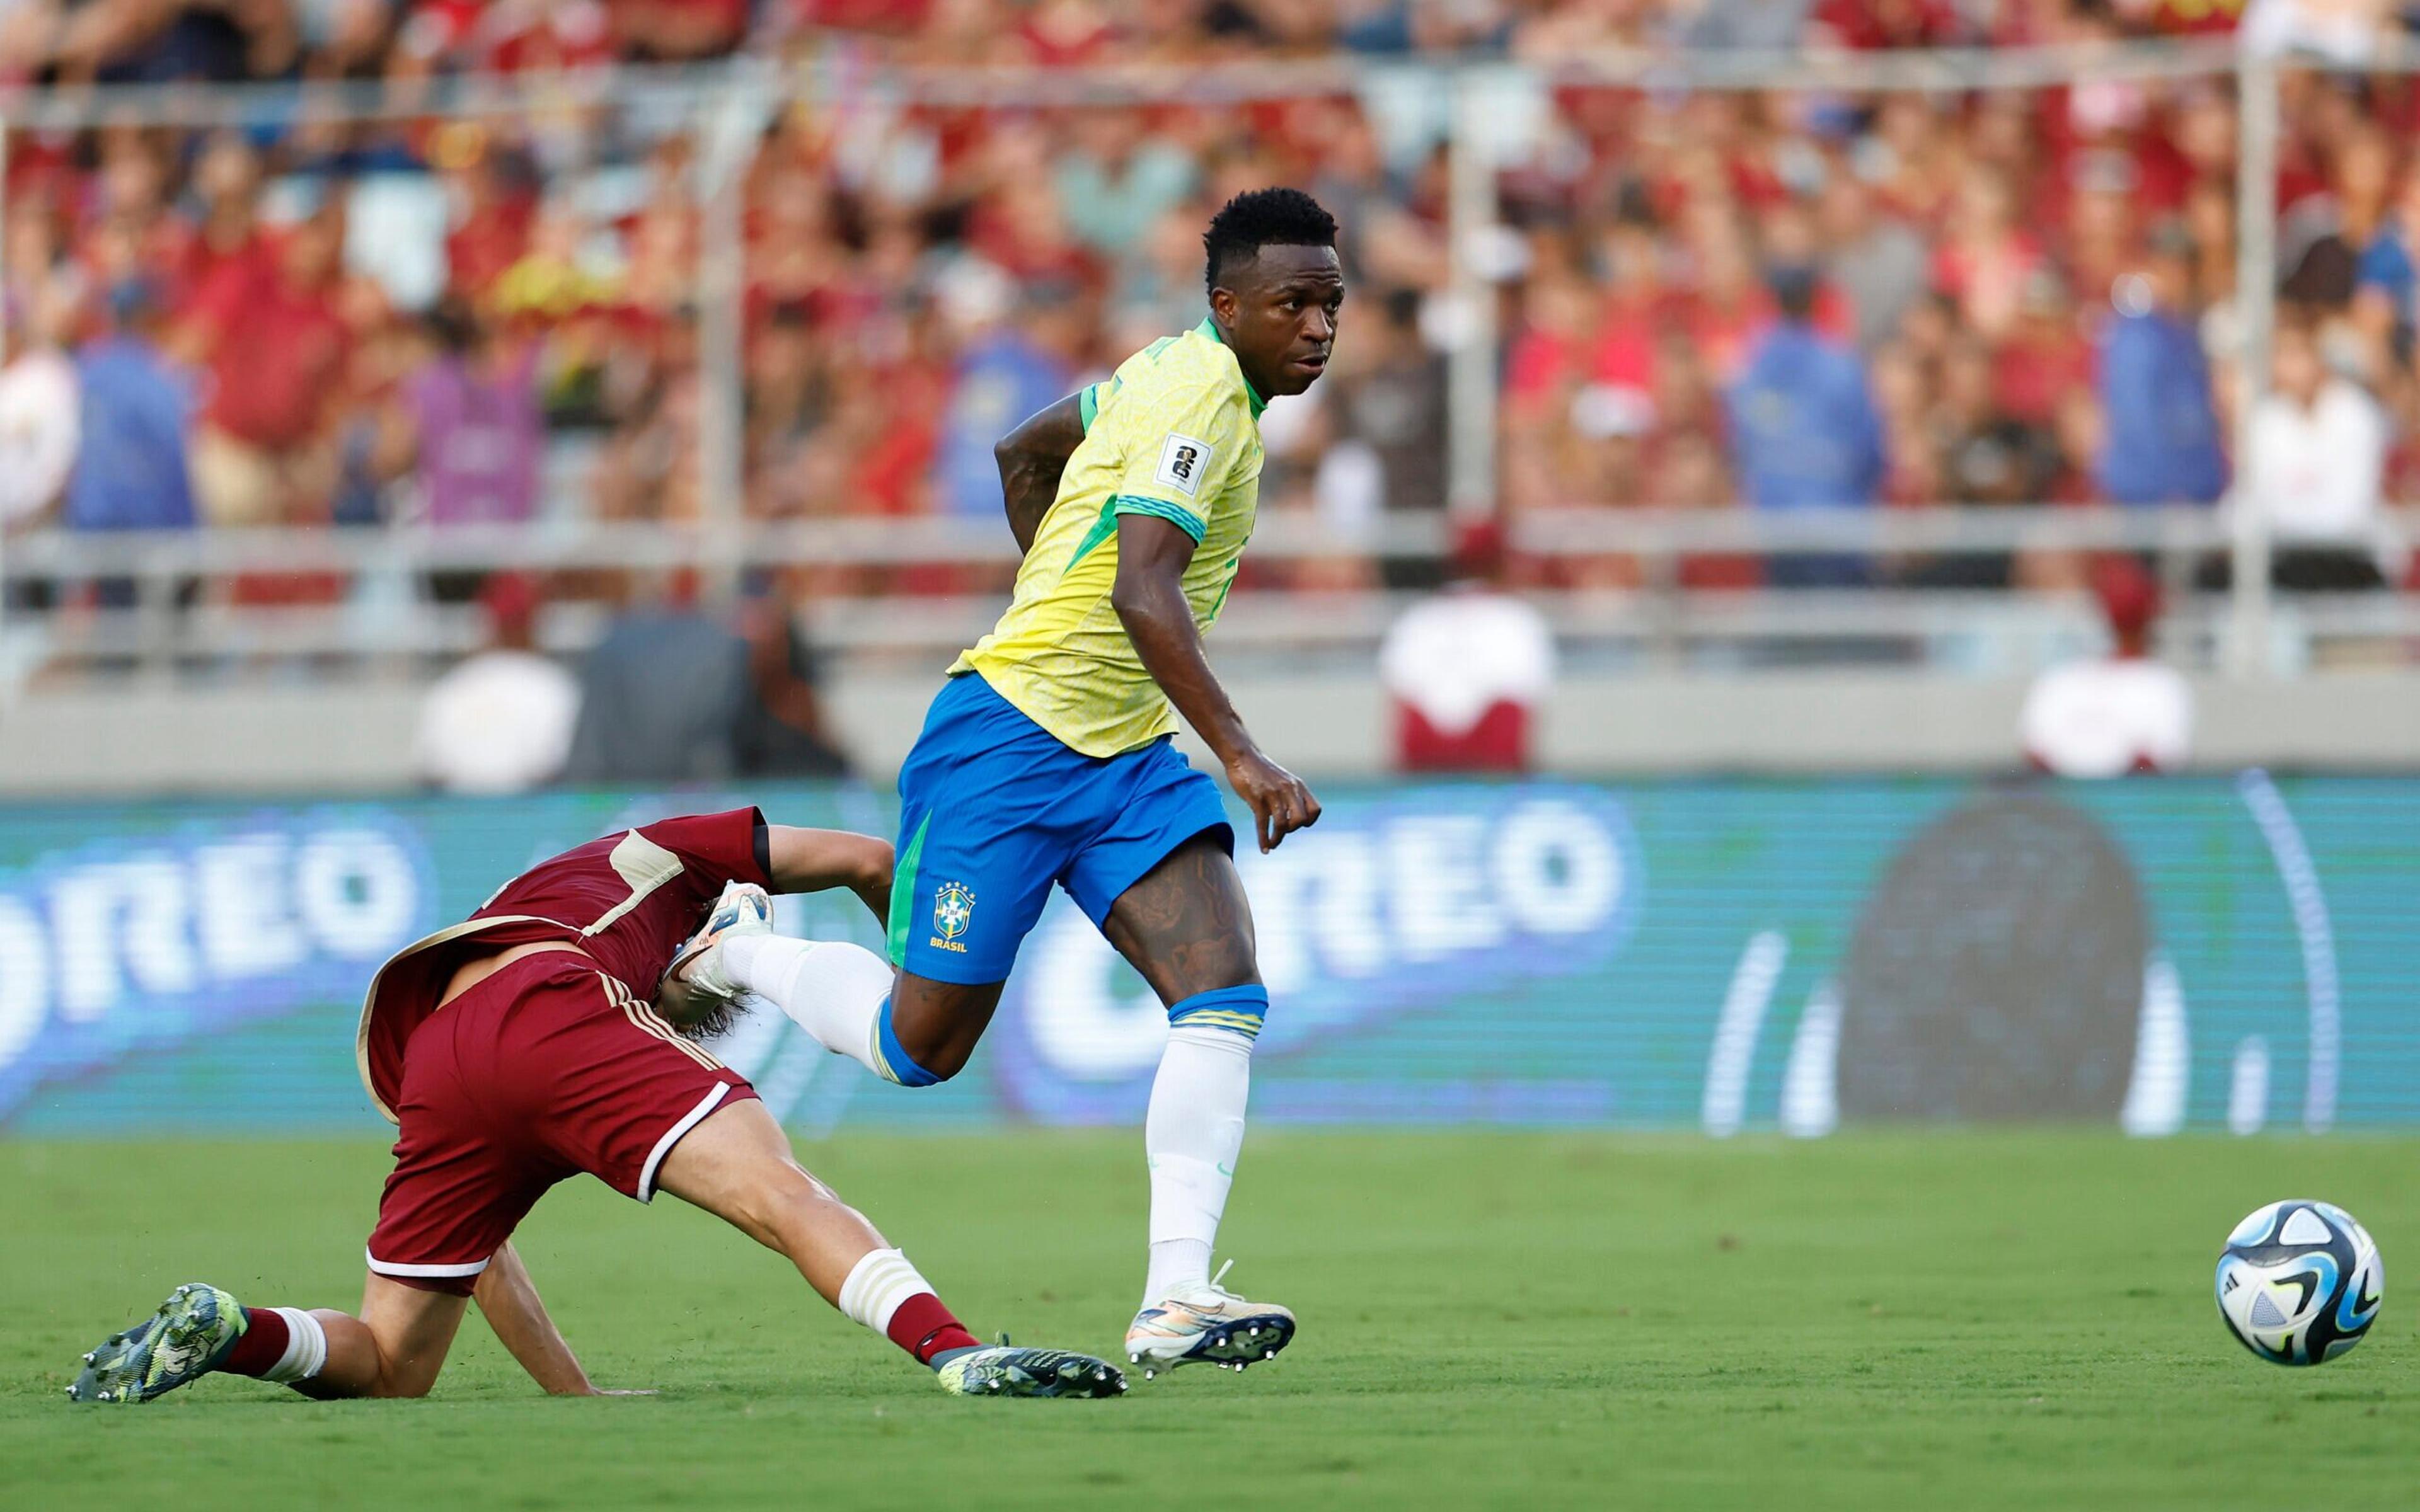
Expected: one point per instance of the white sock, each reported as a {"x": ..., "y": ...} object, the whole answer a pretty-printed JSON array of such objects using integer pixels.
[
  {"x": 306, "y": 1348},
  {"x": 877, "y": 1287},
  {"x": 1191, "y": 1137},
  {"x": 831, "y": 989}
]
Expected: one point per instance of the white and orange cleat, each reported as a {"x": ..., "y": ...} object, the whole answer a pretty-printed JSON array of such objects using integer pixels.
[
  {"x": 1207, "y": 1325},
  {"x": 744, "y": 908}
]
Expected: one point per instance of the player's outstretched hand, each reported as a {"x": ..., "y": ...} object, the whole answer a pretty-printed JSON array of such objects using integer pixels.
[{"x": 1280, "y": 802}]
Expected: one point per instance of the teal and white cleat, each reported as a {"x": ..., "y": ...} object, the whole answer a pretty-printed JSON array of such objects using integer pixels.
[
  {"x": 1003, "y": 1370},
  {"x": 1207, "y": 1325},
  {"x": 743, "y": 909},
  {"x": 180, "y": 1344}
]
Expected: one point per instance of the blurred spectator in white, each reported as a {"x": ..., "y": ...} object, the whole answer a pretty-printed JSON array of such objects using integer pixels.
[
  {"x": 1805, "y": 432},
  {"x": 500, "y": 720},
  {"x": 1760, "y": 24},
  {"x": 2160, "y": 440},
  {"x": 2319, "y": 452},
  {"x": 138, "y": 411},
  {"x": 37, "y": 412},
  {"x": 346, "y": 36},
  {"x": 1468, "y": 670},
  {"x": 475, "y": 423},
  {"x": 2112, "y": 714},
  {"x": 2345, "y": 32},
  {"x": 1878, "y": 260}
]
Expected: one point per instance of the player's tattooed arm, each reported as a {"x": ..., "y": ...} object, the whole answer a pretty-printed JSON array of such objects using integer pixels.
[
  {"x": 509, "y": 1300},
  {"x": 1031, "y": 459},
  {"x": 1149, "y": 597},
  {"x": 810, "y": 860}
]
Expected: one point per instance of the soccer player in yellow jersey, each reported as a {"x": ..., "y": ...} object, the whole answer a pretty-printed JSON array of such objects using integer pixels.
[{"x": 1045, "y": 758}]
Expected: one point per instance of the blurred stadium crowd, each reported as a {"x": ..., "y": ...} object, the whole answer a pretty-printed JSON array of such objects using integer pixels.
[
  {"x": 1712, "y": 299},
  {"x": 70, "y": 42}
]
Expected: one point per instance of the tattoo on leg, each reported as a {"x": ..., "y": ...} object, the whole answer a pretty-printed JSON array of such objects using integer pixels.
[{"x": 1188, "y": 926}]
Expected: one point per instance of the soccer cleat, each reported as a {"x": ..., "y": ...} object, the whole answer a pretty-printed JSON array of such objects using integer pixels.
[
  {"x": 743, "y": 909},
  {"x": 1003, "y": 1370},
  {"x": 1206, "y": 1325},
  {"x": 180, "y": 1344}
]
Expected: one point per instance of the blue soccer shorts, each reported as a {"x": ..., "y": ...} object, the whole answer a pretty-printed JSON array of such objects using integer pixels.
[{"x": 994, "y": 809}]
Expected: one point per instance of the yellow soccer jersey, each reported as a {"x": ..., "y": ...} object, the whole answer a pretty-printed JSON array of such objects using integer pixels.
[{"x": 1174, "y": 433}]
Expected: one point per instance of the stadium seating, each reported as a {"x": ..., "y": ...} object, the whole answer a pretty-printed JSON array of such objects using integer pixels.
[{"x": 748, "y": 291}]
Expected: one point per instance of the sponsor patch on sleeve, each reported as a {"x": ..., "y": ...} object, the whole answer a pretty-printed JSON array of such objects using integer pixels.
[{"x": 1181, "y": 461}]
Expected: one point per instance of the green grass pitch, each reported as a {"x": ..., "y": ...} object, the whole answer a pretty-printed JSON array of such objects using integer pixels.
[{"x": 1944, "y": 1320}]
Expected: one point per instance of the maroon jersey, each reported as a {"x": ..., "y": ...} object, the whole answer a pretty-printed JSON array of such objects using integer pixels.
[{"x": 628, "y": 900}]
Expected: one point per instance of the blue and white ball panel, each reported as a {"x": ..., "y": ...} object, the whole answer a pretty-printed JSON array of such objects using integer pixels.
[{"x": 2299, "y": 1282}]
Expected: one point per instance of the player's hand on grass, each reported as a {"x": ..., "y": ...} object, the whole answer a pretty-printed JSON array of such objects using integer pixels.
[{"x": 1280, "y": 802}]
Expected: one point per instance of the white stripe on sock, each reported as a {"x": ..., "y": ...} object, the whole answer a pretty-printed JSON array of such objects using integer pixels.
[
  {"x": 878, "y": 1286},
  {"x": 306, "y": 1348}
]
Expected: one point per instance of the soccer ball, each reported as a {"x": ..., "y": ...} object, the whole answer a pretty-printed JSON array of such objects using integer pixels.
[{"x": 2299, "y": 1282}]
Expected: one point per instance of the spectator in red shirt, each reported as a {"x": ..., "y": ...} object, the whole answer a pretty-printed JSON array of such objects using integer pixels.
[
  {"x": 226, "y": 179},
  {"x": 275, "y": 348},
  {"x": 1867, "y": 25},
  {"x": 1984, "y": 261},
  {"x": 498, "y": 192},
  {"x": 2045, "y": 356}
]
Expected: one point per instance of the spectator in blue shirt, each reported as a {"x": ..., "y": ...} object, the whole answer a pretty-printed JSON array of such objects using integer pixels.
[
  {"x": 1009, "y": 368},
  {"x": 1804, "y": 430},
  {"x": 138, "y": 409},
  {"x": 2160, "y": 427},
  {"x": 2386, "y": 286}
]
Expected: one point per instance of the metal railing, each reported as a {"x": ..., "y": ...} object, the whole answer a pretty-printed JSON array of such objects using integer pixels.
[{"x": 159, "y": 621}]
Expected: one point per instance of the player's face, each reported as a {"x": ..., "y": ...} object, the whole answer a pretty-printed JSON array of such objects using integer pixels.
[{"x": 1278, "y": 312}]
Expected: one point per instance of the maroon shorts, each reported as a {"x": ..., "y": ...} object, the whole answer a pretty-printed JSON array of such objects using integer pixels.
[{"x": 547, "y": 1068}]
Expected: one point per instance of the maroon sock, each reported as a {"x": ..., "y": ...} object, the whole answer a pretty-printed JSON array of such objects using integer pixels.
[
  {"x": 924, "y": 1328},
  {"x": 266, "y": 1333}
]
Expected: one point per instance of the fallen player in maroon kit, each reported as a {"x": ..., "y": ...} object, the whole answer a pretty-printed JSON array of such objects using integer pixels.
[{"x": 529, "y": 1044}]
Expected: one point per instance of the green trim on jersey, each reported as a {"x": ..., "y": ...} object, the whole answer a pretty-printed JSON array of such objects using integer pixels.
[
  {"x": 903, "y": 894},
  {"x": 1183, "y": 519},
  {"x": 1209, "y": 326},
  {"x": 1102, "y": 528},
  {"x": 1089, "y": 397},
  {"x": 1120, "y": 504},
  {"x": 1060, "y": 654}
]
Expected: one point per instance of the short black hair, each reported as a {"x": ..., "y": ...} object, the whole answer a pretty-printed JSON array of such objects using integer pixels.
[
  {"x": 1794, "y": 288},
  {"x": 1258, "y": 218}
]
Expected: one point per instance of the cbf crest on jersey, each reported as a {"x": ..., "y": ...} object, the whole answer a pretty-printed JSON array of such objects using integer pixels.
[{"x": 954, "y": 909}]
